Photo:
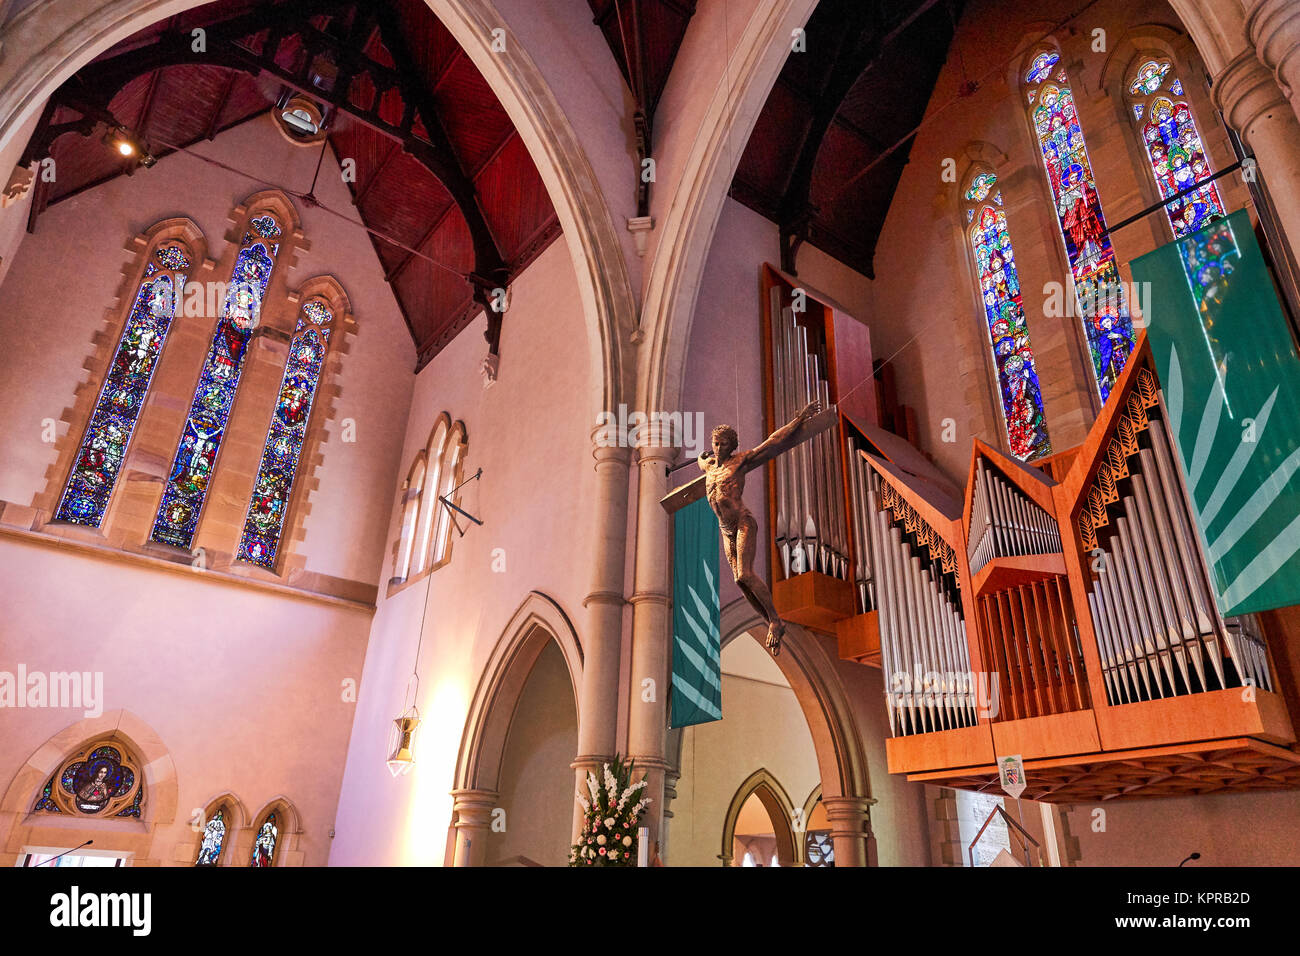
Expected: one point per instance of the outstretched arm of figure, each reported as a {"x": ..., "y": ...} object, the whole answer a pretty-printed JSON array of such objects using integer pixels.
[{"x": 788, "y": 429}]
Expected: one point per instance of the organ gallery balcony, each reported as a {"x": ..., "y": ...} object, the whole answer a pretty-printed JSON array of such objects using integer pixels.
[{"x": 1074, "y": 623}]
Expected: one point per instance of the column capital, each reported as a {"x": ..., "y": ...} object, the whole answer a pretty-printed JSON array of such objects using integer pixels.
[
  {"x": 592, "y": 762},
  {"x": 1244, "y": 91},
  {"x": 1274, "y": 28},
  {"x": 604, "y": 597},
  {"x": 606, "y": 451},
  {"x": 474, "y": 808}
]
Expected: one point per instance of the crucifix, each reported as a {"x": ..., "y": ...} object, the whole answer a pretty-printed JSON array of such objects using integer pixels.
[{"x": 723, "y": 483}]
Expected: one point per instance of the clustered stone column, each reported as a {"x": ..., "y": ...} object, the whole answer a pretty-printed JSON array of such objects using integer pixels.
[
  {"x": 472, "y": 811},
  {"x": 651, "y": 621},
  {"x": 602, "y": 651},
  {"x": 850, "y": 819}
]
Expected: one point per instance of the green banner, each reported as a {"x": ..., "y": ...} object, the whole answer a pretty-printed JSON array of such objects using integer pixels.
[
  {"x": 697, "y": 640},
  {"x": 1231, "y": 380}
]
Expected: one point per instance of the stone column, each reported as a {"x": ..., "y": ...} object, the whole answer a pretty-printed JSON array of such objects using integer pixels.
[
  {"x": 1254, "y": 105},
  {"x": 850, "y": 828},
  {"x": 1274, "y": 28},
  {"x": 651, "y": 621},
  {"x": 472, "y": 810},
  {"x": 603, "y": 643}
]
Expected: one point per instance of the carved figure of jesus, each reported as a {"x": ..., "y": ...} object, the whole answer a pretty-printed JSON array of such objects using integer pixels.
[{"x": 724, "y": 485}]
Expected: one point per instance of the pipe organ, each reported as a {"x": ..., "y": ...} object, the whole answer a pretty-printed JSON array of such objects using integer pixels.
[{"x": 1067, "y": 619}]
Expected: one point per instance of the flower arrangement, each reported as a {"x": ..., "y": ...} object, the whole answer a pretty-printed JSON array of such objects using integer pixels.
[{"x": 609, "y": 832}]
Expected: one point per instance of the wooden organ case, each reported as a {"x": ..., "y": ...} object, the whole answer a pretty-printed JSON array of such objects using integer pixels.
[{"x": 1061, "y": 611}]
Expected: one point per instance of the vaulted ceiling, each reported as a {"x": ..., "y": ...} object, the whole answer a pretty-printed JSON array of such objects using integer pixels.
[
  {"x": 443, "y": 181},
  {"x": 828, "y": 148}
]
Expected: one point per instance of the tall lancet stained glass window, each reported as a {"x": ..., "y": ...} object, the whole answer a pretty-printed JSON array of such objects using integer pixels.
[
  {"x": 1173, "y": 147},
  {"x": 1013, "y": 355},
  {"x": 1102, "y": 305},
  {"x": 264, "y": 848},
  {"x": 264, "y": 523},
  {"x": 108, "y": 433},
  {"x": 186, "y": 487},
  {"x": 214, "y": 835}
]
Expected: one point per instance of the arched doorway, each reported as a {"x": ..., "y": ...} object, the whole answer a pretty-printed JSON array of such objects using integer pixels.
[
  {"x": 759, "y": 826},
  {"x": 807, "y": 669},
  {"x": 521, "y": 729}
]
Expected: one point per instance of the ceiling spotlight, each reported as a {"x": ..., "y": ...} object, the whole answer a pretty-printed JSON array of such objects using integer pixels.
[{"x": 300, "y": 121}]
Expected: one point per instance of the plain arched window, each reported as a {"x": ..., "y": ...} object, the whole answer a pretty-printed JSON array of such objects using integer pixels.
[
  {"x": 108, "y": 433},
  {"x": 1004, "y": 314},
  {"x": 264, "y": 521},
  {"x": 1173, "y": 146},
  {"x": 429, "y": 506},
  {"x": 186, "y": 487},
  {"x": 1102, "y": 305},
  {"x": 410, "y": 518},
  {"x": 450, "y": 477}
]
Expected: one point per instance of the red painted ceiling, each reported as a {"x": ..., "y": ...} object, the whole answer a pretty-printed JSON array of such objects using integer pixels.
[{"x": 420, "y": 233}]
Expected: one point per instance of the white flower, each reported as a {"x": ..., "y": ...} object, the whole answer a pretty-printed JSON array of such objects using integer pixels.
[
  {"x": 629, "y": 791},
  {"x": 601, "y": 839},
  {"x": 613, "y": 854},
  {"x": 586, "y": 805},
  {"x": 610, "y": 783},
  {"x": 627, "y": 841},
  {"x": 609, "y": 821},
  {"x": 593, "y": 786}
]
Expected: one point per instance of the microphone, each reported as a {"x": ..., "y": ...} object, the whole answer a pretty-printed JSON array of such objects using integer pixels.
[{"x": 1194, "y": 856}]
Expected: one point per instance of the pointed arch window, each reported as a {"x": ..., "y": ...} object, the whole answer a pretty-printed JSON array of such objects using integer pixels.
[
  {"x": 112, "y": 422},
  {"x": 410, "y": 518},
  {"x": 1102, "y": 304},
  {"x": 268, "y": 834},
  {"x": 1004, "y": 313},
  {"x": 1175, "y": 154},
  {"x": 214, "y": 837},
  {"x": 186, "y": 487},
  {"x": 264, "y": 521}
]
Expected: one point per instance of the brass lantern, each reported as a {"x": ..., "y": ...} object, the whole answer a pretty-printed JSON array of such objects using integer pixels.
[{"x": 402, "y": 759}]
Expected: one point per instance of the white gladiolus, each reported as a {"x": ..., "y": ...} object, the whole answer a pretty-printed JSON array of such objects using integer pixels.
[
  {"x": 593, "y": 786},
  {"x": 586, "y": 804}
]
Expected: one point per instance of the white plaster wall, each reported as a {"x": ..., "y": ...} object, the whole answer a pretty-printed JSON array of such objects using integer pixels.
[
  {"x": 244, "y": 688},
  {"x": 530, "y": 433},
  {"x": 65, "y": 276}
]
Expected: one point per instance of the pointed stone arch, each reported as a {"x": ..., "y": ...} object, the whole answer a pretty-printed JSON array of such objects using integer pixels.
[
  {"x": 538, "y": 621},
  {"x": 236, "y": 820},
  {"x": 810, "y": 668},
  {"x": 21, "y": 826},
  {"x": 762, "y": 784},
  {"x": 288, "y": 822}
]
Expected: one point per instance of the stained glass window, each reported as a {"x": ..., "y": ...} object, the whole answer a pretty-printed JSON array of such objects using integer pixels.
[
  {"x": 1013, "y": 355},
  {"x": 1042, "y": 66},
  {"x": 108, "y": 433},
  {"x": 264, "y": 848},
  {"x": 1099, "y": 295},
  {"x": 1174, "y": 149},
  {"x": 93, "y": 783},
  {"x": 264, "y": 522},
  {"x": 410, "y": 517},
  {"x": 214, "y": 834},
  {"x": 186, "y": 487}
]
